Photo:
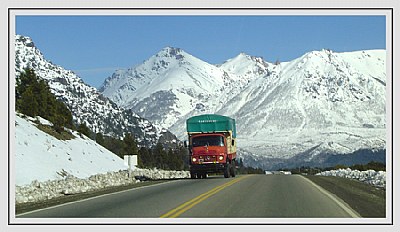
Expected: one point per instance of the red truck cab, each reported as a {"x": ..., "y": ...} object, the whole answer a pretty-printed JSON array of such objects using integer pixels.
[
  {"x": 208, "y": 148},
  {"x": 211, "y": 151}
]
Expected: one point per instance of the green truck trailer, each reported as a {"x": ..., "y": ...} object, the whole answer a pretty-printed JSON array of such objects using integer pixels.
[{"x": 212, "y": 145}]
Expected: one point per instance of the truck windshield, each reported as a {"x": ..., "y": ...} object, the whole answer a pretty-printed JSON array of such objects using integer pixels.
[{"x": 208, "y": 141}]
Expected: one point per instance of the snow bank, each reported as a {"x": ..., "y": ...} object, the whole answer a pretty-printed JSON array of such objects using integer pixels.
[
  {"x": 376, "y": 178},
  {"x": 46, "y": 167},
  {"x": 42, "y": 191},
  {"x": 40, "y": 156}
]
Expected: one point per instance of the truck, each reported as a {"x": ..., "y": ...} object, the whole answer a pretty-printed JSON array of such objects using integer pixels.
[{"x": 212, "y": 145}]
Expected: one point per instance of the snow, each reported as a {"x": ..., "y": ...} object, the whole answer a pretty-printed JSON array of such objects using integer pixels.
[
  {"x": 171, "y": 71},
  {"x": 323, "y": 101},
  {"x": 46, "y": 167},
  {"x": 40, "y": 156},
  {"x": 333, "y": 101},
  {"x": 163, "y": 71},
  {"x": 375, "y": 178},
  {"x": 86, "y": 104}
]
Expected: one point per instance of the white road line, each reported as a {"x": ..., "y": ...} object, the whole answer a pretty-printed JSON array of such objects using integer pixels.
[
  {"x": 342, "y": 205},
  {"x": 91, "y": 198}
]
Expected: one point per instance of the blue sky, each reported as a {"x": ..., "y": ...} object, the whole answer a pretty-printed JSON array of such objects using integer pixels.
[{"x": 94, "y": 46}]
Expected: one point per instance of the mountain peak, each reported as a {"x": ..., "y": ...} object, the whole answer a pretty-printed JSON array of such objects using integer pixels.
[
  {"x": 319, "y": 53},
  {"x": 87, "y": 105},
  {"x": 243, "y": 56},
  {"x": 171, "y": 52},
  {"x": 27, "y": 41},
  {"x": 246, "y": 65}
]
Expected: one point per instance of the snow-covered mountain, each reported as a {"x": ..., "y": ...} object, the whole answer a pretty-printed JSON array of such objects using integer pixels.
[
  {"x": 320, "y": 103},
  {"x": 86, "y": 103},
  {"x": 293, "y": 112},
  {"x": 167, "y": 86}
]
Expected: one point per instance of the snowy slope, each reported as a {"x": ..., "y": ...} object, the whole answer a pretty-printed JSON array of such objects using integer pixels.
[
  {"x": 173, "y": 79},
  {"x": 320, "y": 99},
  {"x": 87, "y": 105},
  {"x": 45, "y": 167},
  {"x": 246, "y": 67},
  {"x": 167, "y": 69},
  {"x": 40, "y": 156},
  {"x": 321, "y": 102}
]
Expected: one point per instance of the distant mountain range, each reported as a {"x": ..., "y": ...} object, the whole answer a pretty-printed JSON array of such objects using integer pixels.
[
  {"x": 301, "y": 112},
  {"x": 319, "y": 109},
  {"x": 86, "y": 103}
]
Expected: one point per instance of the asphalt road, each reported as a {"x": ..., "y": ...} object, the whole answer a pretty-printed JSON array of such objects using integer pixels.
[{"x": 247, "y": 196}]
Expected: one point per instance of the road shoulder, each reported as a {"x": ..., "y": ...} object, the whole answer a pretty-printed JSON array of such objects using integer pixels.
[{"x": 368, "y": 201}]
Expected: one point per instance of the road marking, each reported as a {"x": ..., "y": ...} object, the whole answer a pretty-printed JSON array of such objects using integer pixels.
[
  {"x": 190, "y": 204},
  {"x": 94, "y": 197},
  {"x": 346, "y": 208}
]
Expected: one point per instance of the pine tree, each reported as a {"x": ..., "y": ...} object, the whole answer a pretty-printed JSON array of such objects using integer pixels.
[
  {"x": 144, "y": 158},
  {"x": 82, "y": 128},
  {"x": 114, "y": 145},
  {"x": 159, "y": 156},
  {"x": 170, "y": 160},
  {"x": 34, "y": 98},
  {"x": 65, "y": 114},
  {"x": 27, "y": 103},
  {"x": 44, "y": 96},
  {"x": 100, "y": 139},
  {"x": 24, "y": 81},
  {"x": 152, "y": 159},
  {"x": 129, "y": 145},
  {"x": 176, "y": 158}
]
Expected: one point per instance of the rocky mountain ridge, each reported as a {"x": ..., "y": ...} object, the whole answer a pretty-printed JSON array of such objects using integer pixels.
[
  {"x": 86, "y": 103},
  {"x": 320, "y": 103}
]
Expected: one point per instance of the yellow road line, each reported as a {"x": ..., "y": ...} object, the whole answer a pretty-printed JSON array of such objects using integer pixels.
[{"x": 189, "y": 204}]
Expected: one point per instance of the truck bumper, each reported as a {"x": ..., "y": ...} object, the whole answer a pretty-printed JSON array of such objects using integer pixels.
[{"x": 208, "y": 168}]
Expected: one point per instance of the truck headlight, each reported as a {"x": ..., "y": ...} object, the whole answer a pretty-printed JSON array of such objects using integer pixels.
[
  {"x": 194, "y": 159},
  {"x": 221, "y": 157}
]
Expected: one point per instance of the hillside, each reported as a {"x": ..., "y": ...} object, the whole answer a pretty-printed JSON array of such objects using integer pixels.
[
  {"x": 302, "y": 111},
  {"x": 87, "y": 105},
  {"x": 42, "y": 157}
]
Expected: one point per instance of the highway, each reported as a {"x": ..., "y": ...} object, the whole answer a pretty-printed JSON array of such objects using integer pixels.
[{"x": 245, "y": 196}]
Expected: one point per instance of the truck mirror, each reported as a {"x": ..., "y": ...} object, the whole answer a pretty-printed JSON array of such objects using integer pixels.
[
  {"x": 233, "y": 142},
  {"x": 185, "y": 143}
]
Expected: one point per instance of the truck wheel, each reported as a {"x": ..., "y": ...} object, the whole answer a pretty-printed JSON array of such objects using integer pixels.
[
  {"x": 204, "y": 175},
  {"x": 233, "y": 169},
  {"x": 227, "y": 172}
]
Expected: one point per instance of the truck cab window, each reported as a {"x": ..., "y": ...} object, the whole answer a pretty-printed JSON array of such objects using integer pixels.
[{"x": 208, "y": 141}]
